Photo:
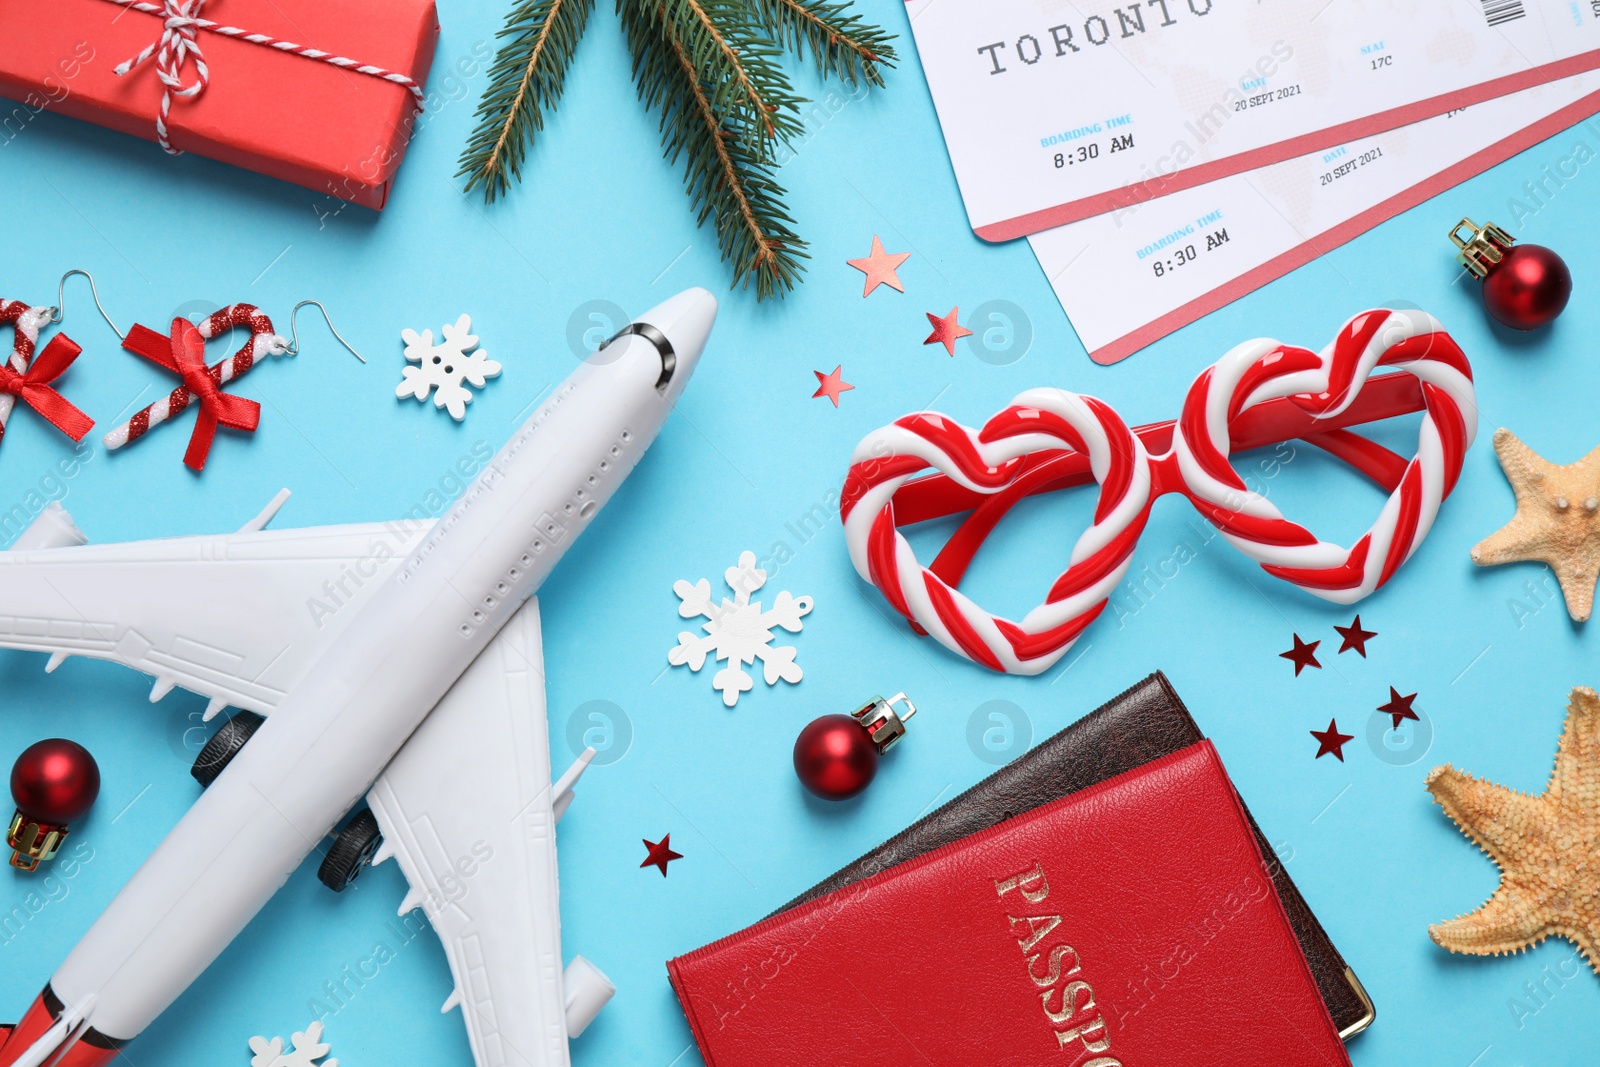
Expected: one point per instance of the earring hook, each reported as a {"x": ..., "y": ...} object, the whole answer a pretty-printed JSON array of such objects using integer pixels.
[
  {"x": 294, "y": 329},
  {"x": 61, "y": 290}
]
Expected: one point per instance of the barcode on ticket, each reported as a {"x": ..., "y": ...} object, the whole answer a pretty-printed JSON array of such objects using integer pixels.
[{"x": 1499, "y": 12}]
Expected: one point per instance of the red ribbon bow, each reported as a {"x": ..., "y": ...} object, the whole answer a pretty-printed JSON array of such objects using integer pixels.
[
  {"x": 185, "y": 353},
  {"x": 33, "y": 387}
]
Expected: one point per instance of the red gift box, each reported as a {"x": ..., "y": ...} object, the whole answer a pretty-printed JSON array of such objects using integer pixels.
[{"x": 302, "y": 119}]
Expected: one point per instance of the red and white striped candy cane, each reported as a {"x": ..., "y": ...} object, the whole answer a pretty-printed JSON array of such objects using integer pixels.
[
  {"x": 26, "y": 323},
  {"x": 1260, "y": 392},
  {"x": 263, "y": 342},
  {"x": 1039, "y": 425},
  {"x": 1325, "y": 384}
]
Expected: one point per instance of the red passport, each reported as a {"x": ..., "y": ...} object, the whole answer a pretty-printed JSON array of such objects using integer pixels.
[{"x": 1131, "y": 924}]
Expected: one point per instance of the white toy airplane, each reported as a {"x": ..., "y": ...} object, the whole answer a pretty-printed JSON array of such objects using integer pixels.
[{"x": 423, "y": 690}]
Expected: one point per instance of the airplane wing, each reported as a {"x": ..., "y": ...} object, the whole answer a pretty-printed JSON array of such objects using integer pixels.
[
  {"x": 468, "y": 808},
  {"x": 235, "y": 617}
]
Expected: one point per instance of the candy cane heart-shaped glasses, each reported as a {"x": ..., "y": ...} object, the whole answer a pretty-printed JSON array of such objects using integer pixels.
[{"x": 1260, "y": 393}]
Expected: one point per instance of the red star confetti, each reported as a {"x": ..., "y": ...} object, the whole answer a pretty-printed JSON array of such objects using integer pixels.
[
  {"x": 661, "y": 854},
  {"x": 831, "y": 385},
  {"x": 880, "y": 267},
  {"x": 1355, "y": 637},
  {"x": 1399, "y": 707},
  {"x": 1302, "y": 655},
  {"x": 946, "y": 331},
  {"x": 1331, "y": 742}
]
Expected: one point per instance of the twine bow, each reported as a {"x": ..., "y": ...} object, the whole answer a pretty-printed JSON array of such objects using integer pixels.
[
  {"x": 179, "y": 43},
  {"x": 33, "y": 387},
  {"x": 185, "y": 353}
]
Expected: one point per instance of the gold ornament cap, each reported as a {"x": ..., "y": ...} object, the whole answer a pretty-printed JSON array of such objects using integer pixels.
[
  {"x": 1482, "y": 249},
  {"x": 33, "y": 842},
  {"x": 883, "y": 721}
]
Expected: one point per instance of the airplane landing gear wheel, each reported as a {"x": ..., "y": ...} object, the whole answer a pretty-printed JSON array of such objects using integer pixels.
[
  {"x": 351, "y": 853},
  {"x": 225, "y": 744}
]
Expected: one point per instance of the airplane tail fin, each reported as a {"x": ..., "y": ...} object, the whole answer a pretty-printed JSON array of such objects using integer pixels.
[
  {"x": 52, "y": 528},
  {"x": 46, "y": 1037}
]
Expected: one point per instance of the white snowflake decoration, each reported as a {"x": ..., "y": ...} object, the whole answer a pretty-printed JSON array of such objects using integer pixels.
[
  {"x": 308, "y": 1049},
  {"x": 443, "y": 367},
  {"x": 738, "y": 631}
]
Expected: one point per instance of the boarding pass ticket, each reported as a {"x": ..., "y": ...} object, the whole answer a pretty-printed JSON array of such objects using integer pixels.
[
  {"x": 1058, "y": 110},
  {"x": 1133, "y": 275}
]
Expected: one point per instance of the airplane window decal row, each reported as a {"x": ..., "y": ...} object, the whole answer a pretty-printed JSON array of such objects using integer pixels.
[
  {"x": 490, "y": 476},
  {"x": 582, "y": 506}
]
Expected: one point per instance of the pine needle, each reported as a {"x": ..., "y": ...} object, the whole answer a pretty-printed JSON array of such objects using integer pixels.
[
  {"x": 527, "y": 77},
  {"x": 845, "y": 45},
  {"x": 683, "y": 71},
  {"x": 727, "y": 46},
  {"x": 713, "y": 71}
]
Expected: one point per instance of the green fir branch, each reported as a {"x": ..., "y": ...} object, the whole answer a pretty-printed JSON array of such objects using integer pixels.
[
  {"x": 526, "y": 78},
  {"x": 730, "y": 49},
  {"x": 713, "y": 72},
  {"x": 844, "y": 44},
  {"x": 722, "y": 102}
]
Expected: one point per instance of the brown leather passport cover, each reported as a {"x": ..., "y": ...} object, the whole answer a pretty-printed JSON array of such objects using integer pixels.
[{"x": 1143, "y": 724}]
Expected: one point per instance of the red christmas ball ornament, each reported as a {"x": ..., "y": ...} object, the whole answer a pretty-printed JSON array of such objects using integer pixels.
[
  {"x": 836, "y": 756},
  {"x": 54, "y": 782},
  {"x": 1524, "y": 286}
]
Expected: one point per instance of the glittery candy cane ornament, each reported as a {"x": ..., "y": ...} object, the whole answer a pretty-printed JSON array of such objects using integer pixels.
[
  {"x": 183, "y": 352},
  {"x": 27, "y": 374},
  {"x": 26, "y": 322}
]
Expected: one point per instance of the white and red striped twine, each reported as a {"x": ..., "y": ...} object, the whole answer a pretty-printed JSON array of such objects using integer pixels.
[{"x": 179, "y": 43}]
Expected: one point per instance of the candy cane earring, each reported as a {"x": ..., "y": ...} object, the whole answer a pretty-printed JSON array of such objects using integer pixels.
[
  {"x": 182, "y": 351},
  {"x": 29, "y": 373}
]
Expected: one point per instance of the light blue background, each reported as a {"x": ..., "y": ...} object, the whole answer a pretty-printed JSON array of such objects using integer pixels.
[{"x": 749, "y": 454}]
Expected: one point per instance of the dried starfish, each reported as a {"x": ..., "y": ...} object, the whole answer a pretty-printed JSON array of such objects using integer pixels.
[
  {"x": 1557, "y": 520},
  {"x": 1545, "y": 847}
]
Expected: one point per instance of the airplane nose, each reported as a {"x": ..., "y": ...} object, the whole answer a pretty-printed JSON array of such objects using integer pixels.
[{"x": 685, "y": 320}]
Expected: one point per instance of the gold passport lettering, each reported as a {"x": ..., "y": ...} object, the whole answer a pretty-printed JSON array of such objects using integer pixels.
[
  {"x": 1057, "y": 954},
  {"x": 1038, "y": 928},
  {"x": 1071, "y": 995},
  {"x": 1078, "y": 1028},
  {"x": 1031, "y": 884}
]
